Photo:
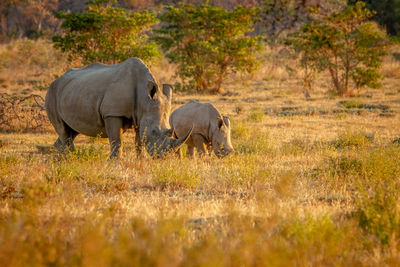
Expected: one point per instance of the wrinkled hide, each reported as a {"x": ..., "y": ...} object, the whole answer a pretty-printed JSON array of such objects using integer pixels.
[
  {"x": 211, "y": 131},
  {"x": 103, "y": 100}
]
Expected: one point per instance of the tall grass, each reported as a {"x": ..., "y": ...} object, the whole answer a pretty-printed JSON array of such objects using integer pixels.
[
  {"x": 373, "y": 177},
  {"x": 301, "y": 191}
]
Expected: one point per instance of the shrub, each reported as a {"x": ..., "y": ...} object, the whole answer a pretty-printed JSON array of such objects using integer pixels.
[
  {"x": 208, "y": 42},
  {"x": 346, "y": 44},
  {"x": 256, "y": 116},
  {"x": 106, "y": 34},
  {"x": 349, "y": 104},
  {"x": 353, "y": 140}
]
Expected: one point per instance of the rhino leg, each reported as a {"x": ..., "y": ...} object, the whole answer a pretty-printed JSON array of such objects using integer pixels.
[
  {"x": 200, "y": 144},
  {"x": 138, "y": 142},
  {"x": 190, "y": 150},
  {"x": 114, "y": 127},
  {"x": 65, "y": 138},
  {"x": 209, "y": 148}
]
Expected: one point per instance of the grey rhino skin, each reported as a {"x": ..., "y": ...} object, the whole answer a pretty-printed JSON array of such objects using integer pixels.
[
  {"x": 210, "y": 129},
  {"x": 101, "y": 100}
]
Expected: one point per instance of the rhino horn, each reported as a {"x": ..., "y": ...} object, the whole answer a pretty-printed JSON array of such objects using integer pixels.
[
  {"x": 168, "y": 144},
  {"x": 180, "y": 141}
]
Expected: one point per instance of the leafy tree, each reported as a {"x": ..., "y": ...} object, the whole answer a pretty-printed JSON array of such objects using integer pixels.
[
  {"x": 105, "y": 33},
  {"x": 387, "y": 14},
  {"x": 346, "y": 44},
  {"x": 208, "y": 42}
]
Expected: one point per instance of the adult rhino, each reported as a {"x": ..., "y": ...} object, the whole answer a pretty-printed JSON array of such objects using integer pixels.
[{"x": 101, "y": 100}]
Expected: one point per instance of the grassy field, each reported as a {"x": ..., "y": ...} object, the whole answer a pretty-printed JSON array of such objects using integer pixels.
[{"x": 312, "y": 182}]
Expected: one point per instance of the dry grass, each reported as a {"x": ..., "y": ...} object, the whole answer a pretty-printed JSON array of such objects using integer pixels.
[
  {"x": 311, "y": 183},
  {"x": 391, "y": 64},
  {"x": 28, "y": 66}
]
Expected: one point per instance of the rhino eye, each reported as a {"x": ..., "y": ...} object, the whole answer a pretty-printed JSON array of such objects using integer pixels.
[{"x": 153, "y": 92}]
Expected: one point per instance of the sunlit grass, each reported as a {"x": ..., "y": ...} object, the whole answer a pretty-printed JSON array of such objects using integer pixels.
[{"x": 305, "y": 190}]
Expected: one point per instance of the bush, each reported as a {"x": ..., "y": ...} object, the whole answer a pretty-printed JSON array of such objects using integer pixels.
[
  {"x": 352, "y": 104},
  {"x": 208, "y": 42},
  {"x": 106, "y": 34},
  {"x": 346, "y": 44},
  {"x": 373, "y": 177},
  {"x": 353, "y": 140},
  {"x": 256, "y": 116}
]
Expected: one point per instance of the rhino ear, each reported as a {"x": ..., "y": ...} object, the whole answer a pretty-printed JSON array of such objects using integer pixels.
[
  {"x": 227, "y": 121},
  {"x": 167, "y": 90},
  {"x": 152, "y": 89},
  {"x": 220, "y": 122}
]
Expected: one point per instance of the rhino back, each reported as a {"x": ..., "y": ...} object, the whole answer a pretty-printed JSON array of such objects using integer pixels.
[
  {"x": 86, "y": 96},
  {"x": 202, "y": 116}
]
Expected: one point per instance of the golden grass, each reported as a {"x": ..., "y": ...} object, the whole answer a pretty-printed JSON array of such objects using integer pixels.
[{"x": 304, "y": 187}]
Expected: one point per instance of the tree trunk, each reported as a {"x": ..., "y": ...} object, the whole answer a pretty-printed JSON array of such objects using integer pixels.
[
  {"x": 3, "y": 24},
  {"x": 220, "y": 78},
  {"x": 336, "y": 81}
]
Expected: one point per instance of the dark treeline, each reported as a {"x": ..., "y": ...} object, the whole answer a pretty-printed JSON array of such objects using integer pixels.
[
  {"x": 387, "y": 14},
  {"x": 35, "y": 18}
]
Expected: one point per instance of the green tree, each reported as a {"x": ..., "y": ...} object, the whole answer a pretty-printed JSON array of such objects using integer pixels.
[
  {"x": 346, "y": 44},
  {"x": 107, "y": 34},
  {"x": 387, "y": 14},
  {"x": 208, "y": 42}
]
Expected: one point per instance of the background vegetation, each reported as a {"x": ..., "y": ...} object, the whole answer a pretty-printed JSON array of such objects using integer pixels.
[
  {"x": 106, "y": 34},
  {"x": 314, "y": 181},
  {"x": 208, "y": 43},
  {"x": 345, "y": 44}
]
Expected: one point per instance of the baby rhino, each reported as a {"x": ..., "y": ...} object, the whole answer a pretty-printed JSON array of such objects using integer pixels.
[{"x": 210, "y": 129}]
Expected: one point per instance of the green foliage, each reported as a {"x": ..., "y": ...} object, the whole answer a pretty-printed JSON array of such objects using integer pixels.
[
  {"x": 106, "y": 34},
  {"x": 346, "y": 44},
  {"x": 208, "y": 42},
  {"x": 354, "y": 103},
  {"x": 256, "y": 116},
  {"x": 353, "y": 140},
  {"x": 387, "y": 14}
]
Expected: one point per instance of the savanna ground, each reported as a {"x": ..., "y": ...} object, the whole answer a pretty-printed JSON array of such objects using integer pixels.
[{"x": 312, "y": 182}]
